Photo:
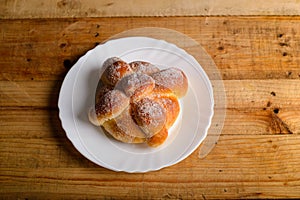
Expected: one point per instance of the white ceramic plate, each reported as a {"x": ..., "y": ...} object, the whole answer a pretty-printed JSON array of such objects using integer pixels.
[{"x": 77, "y": 95}]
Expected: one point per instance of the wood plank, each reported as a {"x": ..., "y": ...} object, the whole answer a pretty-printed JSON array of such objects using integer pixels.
[
  {"x": 246, "y": 121},
  {"x": 36, "y": 123},
  {"x": 253, "y": 107},
  {"x": 242, "y": 48},
  {"x": 29, "y": 123},
  {"x": 106, "y": 8},
  {"x": 259, "y": 95},
  {"x": 238, "y": 167},
  {"x": 29, "y": 93},
  {"x": 41, "y": 123},
  {"x": 254, "y": 95},
  {"x": 262, "y": 122}
]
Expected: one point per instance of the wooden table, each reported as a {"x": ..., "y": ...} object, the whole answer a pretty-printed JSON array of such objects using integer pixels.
[{"x": 256, "y": 47}]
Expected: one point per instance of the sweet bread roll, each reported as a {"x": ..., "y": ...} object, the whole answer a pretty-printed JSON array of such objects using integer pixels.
[
  {"x": 137, "y": 102},
  {"x": 172, "y": 78},
  {"x": 136, "y": 86},
  {"x": 115, "y": 70},
  {"x": 143, "y": 67},
  {"x": 109, "y": 106},
  {"x": 149, "y": 115},
  {"x": 124, "y": 129}
]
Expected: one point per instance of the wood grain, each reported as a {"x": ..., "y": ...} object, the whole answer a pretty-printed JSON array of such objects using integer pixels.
[
  {"x": 238, "y": 167},
  {"x": 257, "y": 155},
  {"x": 253, "y": 95},
  {"x": 105, "y": 8},
  {"x": 242, "y": 48},
  {"x": 253, "y": 107},
  {"x": 36, "y": 123}
]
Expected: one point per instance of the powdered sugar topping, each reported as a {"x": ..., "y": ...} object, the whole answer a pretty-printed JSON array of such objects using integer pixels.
[{"x": 169, "y": 77}]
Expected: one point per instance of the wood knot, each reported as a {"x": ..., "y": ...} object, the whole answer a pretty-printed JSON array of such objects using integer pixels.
[
  {"x": 283, "y": 44},
  {"x": 220, "y": 48},
  {"x": 276, "y": 124},
  {"x": 280, "y": 35}
]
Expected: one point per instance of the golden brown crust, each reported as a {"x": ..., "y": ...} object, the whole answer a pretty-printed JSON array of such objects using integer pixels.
[
  {"x": 110, "y": 105},
  {"x": 172, "y": 78},
  {"x": 168, "y": 101},
  {"x": 143, "y": 67},
  {"x": 149, "y": 115},
  {"x": 102, "y": 89},
  {"x": 124, "y": 129},
  {"x": 115, "y": 70},
  {"x": 136, "y": 86},
  {"x": 159, "y": 138}
]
